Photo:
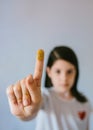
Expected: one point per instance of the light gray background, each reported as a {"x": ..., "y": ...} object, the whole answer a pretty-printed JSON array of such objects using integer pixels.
[{"x": 26, "y": 26}]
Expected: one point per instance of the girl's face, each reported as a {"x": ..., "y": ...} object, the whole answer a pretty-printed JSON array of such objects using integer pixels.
[{"x": 62, "y": 75}]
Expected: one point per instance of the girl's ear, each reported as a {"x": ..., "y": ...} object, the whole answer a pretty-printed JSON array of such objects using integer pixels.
[{"x": 48, "y": 72}]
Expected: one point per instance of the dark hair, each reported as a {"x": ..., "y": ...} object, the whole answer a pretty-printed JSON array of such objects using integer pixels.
[{"x": 66, "y": 53}]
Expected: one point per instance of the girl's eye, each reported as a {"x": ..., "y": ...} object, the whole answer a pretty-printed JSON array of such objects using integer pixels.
[
  {"x": 58, "y": 71},
  {"x": 69, "y": 71}
]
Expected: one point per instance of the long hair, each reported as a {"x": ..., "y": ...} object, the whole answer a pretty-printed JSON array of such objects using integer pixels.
[{"x": 65, "y": 53}]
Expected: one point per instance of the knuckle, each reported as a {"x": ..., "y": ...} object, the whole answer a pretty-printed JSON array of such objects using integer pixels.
[
  {"x": 29, "y": 79},
  {"x": 16, "y": 88},
  {"x": 9, "y": 90},
  {"x": 22, "y": 81}
]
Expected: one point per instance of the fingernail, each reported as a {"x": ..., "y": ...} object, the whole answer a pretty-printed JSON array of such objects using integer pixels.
[{"x": 40, "y": 54}]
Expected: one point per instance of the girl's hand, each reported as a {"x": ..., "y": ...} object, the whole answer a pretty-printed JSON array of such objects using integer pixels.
[{"x": 25, "y": 96}]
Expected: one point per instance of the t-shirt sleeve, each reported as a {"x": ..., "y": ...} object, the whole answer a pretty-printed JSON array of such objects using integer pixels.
[
  {"x": 45, "y": 99},
  {"x": 90, "y": 107}
]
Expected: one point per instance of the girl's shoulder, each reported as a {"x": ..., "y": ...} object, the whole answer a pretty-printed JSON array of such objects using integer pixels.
[
  {"x": 46, "y": 97},
  {"x": 46, "y": 91},
  {"x": 85, "y": 105},
  {"x": 89, "y": 105}
]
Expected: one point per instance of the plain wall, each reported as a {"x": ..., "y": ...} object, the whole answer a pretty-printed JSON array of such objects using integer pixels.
[{"x": 26, "y": 26}]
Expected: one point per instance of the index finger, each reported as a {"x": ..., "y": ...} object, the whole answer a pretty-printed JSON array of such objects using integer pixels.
[{"x": 39, "y": 64}]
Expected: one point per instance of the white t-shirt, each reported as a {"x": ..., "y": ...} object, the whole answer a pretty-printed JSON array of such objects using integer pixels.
[{"x": 59, "y": 114}]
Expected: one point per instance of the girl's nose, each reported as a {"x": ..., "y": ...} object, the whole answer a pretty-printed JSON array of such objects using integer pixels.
[{"x": 63, "y": 76}]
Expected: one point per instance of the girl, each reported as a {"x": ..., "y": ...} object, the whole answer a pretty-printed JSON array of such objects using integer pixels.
[{"x": 59, "y": 107}]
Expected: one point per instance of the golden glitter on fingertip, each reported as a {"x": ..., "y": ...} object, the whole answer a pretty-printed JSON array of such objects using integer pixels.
[{"x": 40, "y": 54}]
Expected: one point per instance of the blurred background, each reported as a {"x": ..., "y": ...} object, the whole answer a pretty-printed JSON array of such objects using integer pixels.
[{"x": 26, "y": 26}]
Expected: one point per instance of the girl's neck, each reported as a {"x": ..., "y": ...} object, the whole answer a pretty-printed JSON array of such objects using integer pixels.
[{"x": 65, "y": 95}]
